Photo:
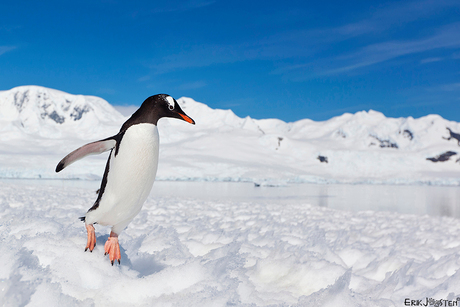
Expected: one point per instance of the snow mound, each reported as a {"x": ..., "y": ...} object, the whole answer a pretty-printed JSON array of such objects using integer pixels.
[{"x": 193, "y": 252}]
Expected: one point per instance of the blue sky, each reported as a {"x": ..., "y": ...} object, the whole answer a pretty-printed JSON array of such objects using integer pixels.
[{"x": 266, "y": 59}]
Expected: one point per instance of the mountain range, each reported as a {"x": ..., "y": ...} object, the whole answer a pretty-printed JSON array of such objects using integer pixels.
[{"x": 39, "y": 126}]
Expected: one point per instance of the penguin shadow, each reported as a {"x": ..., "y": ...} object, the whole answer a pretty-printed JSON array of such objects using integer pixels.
[
  {"x": 100, "y": 240},
  {"x": 144, "y": 263}
]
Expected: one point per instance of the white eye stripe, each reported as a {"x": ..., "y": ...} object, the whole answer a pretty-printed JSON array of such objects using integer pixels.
[{"x": 170, "y": 102}]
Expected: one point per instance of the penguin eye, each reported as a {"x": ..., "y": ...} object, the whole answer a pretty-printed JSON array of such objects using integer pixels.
[{"x": 170, "y": 102}]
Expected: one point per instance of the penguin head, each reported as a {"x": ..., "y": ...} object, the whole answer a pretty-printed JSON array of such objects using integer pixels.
[
  {"x": 171, "y": 108},
  {"x": 156, "y": 107}
]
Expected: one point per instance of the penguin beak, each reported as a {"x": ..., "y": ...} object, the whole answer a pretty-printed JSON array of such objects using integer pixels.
[
  {"x": 177, "y": 112},
  {"x": 187, "y": 119}
]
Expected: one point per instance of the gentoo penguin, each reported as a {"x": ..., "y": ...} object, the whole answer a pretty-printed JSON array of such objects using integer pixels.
[{"x": 130, "y": 169}]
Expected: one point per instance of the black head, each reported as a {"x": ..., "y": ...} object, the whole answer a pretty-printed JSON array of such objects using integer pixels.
[{"x": 156, "y": 107}]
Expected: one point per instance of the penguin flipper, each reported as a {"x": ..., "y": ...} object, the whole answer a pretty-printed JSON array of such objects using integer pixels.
[{"x": 88, "y": 149}]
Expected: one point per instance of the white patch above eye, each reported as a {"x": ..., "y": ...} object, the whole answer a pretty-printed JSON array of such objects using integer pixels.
[{"x": 170, "y": 102}]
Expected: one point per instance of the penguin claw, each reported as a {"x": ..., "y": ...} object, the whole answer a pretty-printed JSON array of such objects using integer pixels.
[
  {"x": 112, "y": 248},
  {"x": 91, "y": 238}
]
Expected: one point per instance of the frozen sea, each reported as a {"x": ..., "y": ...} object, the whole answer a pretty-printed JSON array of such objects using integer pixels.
[
  {"x": 408, "y": 199},
  {"x": 233, "y": 244}
]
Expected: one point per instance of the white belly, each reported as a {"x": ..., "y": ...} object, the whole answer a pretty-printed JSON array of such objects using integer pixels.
[{"x": 130, "y": 179}]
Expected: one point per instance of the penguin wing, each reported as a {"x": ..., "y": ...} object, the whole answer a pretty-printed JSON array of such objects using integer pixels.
[{"x": 93, "y": 148}]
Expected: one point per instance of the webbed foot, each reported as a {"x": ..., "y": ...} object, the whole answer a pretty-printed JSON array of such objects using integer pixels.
[{"x": 112, "y": 248}]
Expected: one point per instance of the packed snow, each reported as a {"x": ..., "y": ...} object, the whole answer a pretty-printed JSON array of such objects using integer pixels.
[
  {"x": 183, "y": 251},
  {"x": 196, "y": 251},
  {"x": 39, "y": 126}
]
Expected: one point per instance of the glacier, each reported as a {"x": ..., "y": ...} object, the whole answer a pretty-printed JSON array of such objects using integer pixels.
[{"x": 38, "y": 126}]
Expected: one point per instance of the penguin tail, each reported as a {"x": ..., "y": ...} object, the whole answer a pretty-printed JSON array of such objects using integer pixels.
[{"x": 82, "y": 218}]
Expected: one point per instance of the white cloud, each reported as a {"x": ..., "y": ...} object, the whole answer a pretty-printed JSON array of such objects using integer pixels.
[
  {"x": 192, "y": 85},
  {"x": 451, "y": 87},
  {"x": 5, "y": 49},
  {"x": 447, "y": 37},
  {"x": 430, "y": 60},
  {"x": 144, "y": 78},
  {"x": 107, "y": 90},
  {"x": 178, "y": 6},
  {"x": 301, "y": 44}
]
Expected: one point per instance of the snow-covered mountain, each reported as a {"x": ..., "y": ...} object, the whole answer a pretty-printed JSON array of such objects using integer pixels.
[
  {"x": 38, "y": 126},
  {"x": 49, "y": 113}
]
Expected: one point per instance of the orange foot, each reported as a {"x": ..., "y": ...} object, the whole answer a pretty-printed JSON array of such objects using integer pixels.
[
  {"x": 112, "y": 248},
  {"x": 91, "y": 238}
]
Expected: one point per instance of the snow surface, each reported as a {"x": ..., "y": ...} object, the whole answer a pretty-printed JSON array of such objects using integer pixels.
[
  {"x": 192, "y": 252},
  {"x": 39, "y": 126},
  {"x": 183, "y": 251}
]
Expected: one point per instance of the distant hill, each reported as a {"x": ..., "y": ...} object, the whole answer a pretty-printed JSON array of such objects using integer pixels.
[{"x": 38, "y": 126}]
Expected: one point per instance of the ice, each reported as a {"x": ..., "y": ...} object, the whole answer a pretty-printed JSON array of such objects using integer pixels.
[{"x": 200, "y": 252}]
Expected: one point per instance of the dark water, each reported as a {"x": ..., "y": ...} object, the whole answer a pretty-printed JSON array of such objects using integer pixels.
[{"x": 409, "y": 199}]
